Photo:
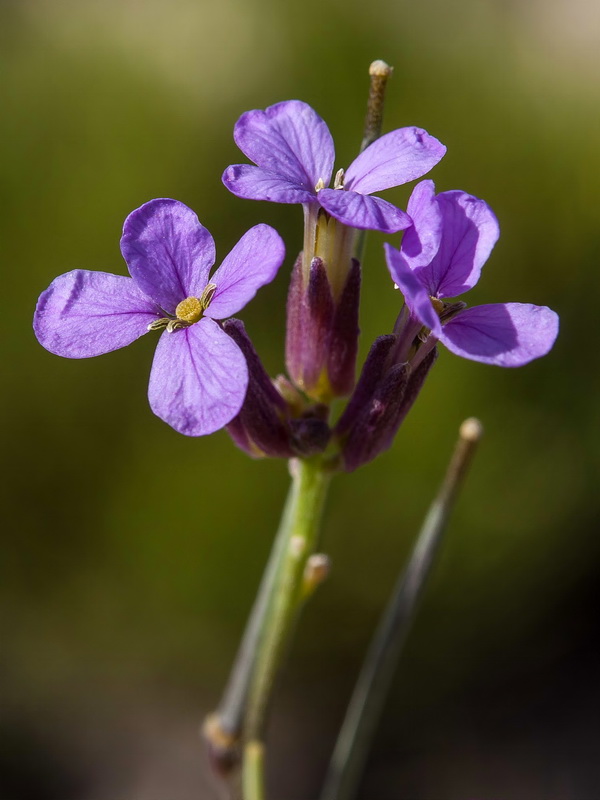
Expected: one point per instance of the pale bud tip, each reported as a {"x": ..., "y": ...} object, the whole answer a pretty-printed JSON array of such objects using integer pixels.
[
  {"x": 471, "y": 430},
  {"x": 379, "y": 69}
]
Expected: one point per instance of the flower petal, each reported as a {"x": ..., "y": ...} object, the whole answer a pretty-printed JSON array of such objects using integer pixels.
[
  {"x": 83, "y": 314},
  {"x": 469, "y": 232},
  {"x": 254, "y": 183},
  {"x": 505, "y": 334},
  {"x": 393, "y": 159},
  {"x": 252, "y": 263},
  {"x": 198, "y": 380},
  {"x": 362, "y": 211},
  {"x": 421, "y": 241},
  {"x": 415, "y": 294},
  {"x": 289, "y": 139},
  {"x": 168, "y": 252}
]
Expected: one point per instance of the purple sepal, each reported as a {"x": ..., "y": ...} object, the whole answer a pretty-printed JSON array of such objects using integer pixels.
[
  {"x": 261, "y": 427},
  {"x": 372, "y": 371},
  {"x": 343, "y": 344},
  {"x": 372, "y": 431},
  {"x": 310, "y": 312},
  {"x": 383, "y": 397},
  {"x": 411, "y": 392},
  {"x": 294, "y": 341}
]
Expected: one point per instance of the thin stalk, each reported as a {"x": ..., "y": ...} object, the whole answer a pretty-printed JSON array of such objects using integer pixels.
[
  {"x": 379, "y": 74},
  {"x": 309, "y": 488},
  {"x": 223, "y": 729},
  {"x": 253, "y": 784},
  {"x": 374, "y": 681}
]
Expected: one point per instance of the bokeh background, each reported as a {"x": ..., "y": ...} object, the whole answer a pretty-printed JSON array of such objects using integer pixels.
[{"x": 130, "y": 555}]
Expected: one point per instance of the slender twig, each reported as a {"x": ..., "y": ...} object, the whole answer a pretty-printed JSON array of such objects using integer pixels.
[
  {"x": 374, "y": 681},
  {"x": 254, "y": 781},
  {"x": 223, "y": 728},
  {"x": 308, "y": 498},
  {"x": 379, "y": 73}
]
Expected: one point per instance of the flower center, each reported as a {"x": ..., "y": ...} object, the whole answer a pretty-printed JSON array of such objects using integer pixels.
[
  {"x": 446, "y": 311},
  {"x": 189, "y": 310}
]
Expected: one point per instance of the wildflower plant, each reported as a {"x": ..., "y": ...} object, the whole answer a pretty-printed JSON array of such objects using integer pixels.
[{"x": 206, "y": 374}]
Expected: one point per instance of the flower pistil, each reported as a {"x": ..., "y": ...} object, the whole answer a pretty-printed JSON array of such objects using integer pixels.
[{"x": 188, "y": 312}]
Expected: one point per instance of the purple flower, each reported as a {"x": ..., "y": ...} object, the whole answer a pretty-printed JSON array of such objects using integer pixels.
[
  {"x": 199, "y": 375},
  {"x": 294, "y": 155},
  {"x": 441, "y": 257}
]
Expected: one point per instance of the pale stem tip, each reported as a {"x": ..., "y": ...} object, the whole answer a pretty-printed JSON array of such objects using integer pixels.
[
  {"x": 471, "y": 430},
  {"x": 379, "y": 69}
]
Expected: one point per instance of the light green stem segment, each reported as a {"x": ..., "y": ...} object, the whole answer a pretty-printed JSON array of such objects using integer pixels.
[
  {"x": 253, "y": 783},
  {"x": 372, "y": 686},
  {"x": 303, "y": 520},
  {"x": 233, "y": 704}
]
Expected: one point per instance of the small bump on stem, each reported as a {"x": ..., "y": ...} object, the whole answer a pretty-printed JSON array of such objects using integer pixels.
[{"x": 316, "y": 571}]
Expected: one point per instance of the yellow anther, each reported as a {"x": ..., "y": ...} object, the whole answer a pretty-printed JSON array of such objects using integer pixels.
[
  {"x": 320, "y": 184},
  {"x": 189, "y": 310},
  {"x": 437, "y": 304}
]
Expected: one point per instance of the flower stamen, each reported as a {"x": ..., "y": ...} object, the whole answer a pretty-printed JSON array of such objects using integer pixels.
[{"x": 188, "y": 312}]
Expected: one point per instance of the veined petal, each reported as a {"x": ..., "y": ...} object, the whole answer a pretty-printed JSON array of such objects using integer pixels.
[
  {"x": 255, "y": 183},
  {"x": 252, "y": 263},
  {"x": 83, "y": 314},
  {"x": 289, "y": 139},
  {"x": 168, "y": 252},
  {"x": 415, "y": 294},
  {"x": 505, "y": 334},
  {"x": 361, "y": 211},
  {"x": 395, "y": 158},
  {"x": 421, "y": 241},
  {"x": 198, "y": 380},
  {"x": 469, "y": 232}
]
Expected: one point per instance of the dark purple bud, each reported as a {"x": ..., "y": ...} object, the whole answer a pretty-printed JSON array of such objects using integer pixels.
[
  {"x": 413, "y": 387},
  {"x": 310, "y": 313},
  {"x": 383, "y": 397},
  {"x": 343, "y": 345},
  {"x": 372, "y": 372},
  {"x": 322, "y": 333},
  {"x": 372, "y": 430},
  {"x": 261, "y": 428}
]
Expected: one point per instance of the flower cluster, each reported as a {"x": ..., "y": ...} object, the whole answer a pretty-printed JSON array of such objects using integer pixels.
[{"x": 206, "y": 374}]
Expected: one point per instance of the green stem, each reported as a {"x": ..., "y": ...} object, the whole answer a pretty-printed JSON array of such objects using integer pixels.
[
  {"x": 378, "y": 669},
  {"x": 233, "y": 703},
  {"x": 379, "y": 74},
  {"x": 301, "y": 524},
  {"x": 253, "y": 784}
]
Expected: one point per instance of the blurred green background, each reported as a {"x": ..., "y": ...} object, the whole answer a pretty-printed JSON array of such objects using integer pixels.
[{"x": 130, "y": 555}]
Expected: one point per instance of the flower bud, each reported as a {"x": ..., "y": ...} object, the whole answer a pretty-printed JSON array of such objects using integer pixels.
[
  {"x": 384, "y": 395},
  {"x": 322, "y": 333}
]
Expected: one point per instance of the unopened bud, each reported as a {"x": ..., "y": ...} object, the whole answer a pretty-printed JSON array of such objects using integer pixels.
[
  {"x": 383, "y": 397},
  {"x": 317, "y": 569}
]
